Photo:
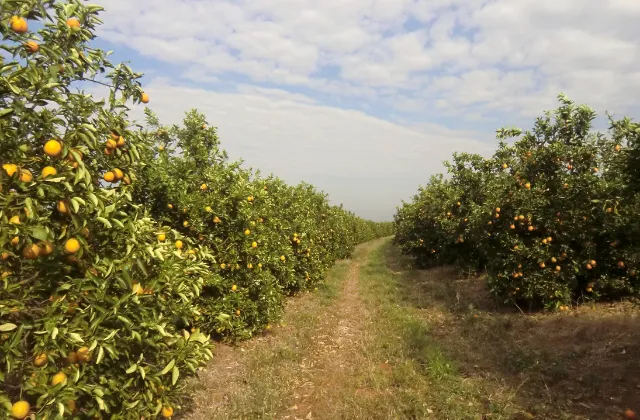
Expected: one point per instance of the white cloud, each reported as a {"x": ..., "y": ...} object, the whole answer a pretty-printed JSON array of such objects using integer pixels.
[
  {"x": 366, "y": 163},
  {"x": 462, "y": 60}
]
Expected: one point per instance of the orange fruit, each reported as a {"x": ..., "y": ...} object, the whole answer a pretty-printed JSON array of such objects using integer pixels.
[
  {"x": 620, "y": 264},
  {"x": 14, "y": 220},
  {"x": 83, "y": 354},
  {"x": 234, "y": 288},
  {"x": 19, "y": 24},
  {"x": 179, "y": 244},
  {"x": 48, "y": 171},
  {"x": 62, "y": 207},
  {"x": 203, "y": 187},
  {"x": 73, "y": 23},
  {"x": 629, "y": 414},
  {"x": 170, "y": 206},
  {"x": 25, "y": 175},
  {"x": 31, "y": 252},
  {"x": 617, "y": 148},
  {"x": 10, "y": 168},
  {"x": 111, "y": 144},
  {"x": 282, "y": 258},
  {"x": 527, "y": 186},
  {"x": 118, "y": 174},
  {"x": 254, "y": 244},
  {"x": 45, "y": 248},
  {"x": 223, "y": 266},
  {"x": 162, "y": 237},
  {"x": 167, "y": 412},
  {"x": 589, "y": 266},
  {"x": 144, "y": 98},
  {"x": 58, "y": 378},
  {"x": 20, "y": 409},
  {"x": 32, "y": 47},
  {"x": 109, "y": 176},
  {"x": 40, "y": 360},
  {"x": 71, "y": 246},
  {"x": 247, "y": 232},
  {"x": 121, "y": 141}
]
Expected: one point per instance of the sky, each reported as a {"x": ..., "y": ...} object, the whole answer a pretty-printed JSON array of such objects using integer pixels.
[{"x": 366, "y": 98}]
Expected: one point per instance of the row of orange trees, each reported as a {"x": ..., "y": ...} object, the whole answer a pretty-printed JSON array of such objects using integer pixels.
[
  {"x": 551, "y": 217},
  {"x": 124, "y": 248}
]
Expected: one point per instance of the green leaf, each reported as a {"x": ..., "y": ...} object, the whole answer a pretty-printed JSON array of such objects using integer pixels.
[
  {"x": 174, "y": 375},
  {"x": 132, "y": 368},
  {"x": 8, "y": 327},
  {"x": 168, "y": 367}
]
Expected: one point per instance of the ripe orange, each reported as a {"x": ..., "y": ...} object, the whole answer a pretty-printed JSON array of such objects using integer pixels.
[
  {"x": 238, "y": 312},
  {"x": 554, "y": 260},
  {"x": 247, "y": 232},
  {"x": 10, "y": 168},
  {"x": 31, "y": 252},
  {"x": 497, "y": 209},
  {"x": 617, "y": 148},
  {"x": 203, "y": 187},
  {"x": 73, "y": 23},
  {"x": 542, "y": 265},
  {"x": 118, "y": 174},
  {"x": 162, "y": 237},
  {"x": 48, "y": 171},
  {"x": 234, "y": 288},
  {"x": 25, "y": 175},
  {"x": 109, "y": 176},
  {"x": 71, "y": 246},
  {"x": 527, "y": 186},
  {"x": 223, "y": 266},
  {"x": 144, "y": 98},
  {"x": 254, "y": 244},
  {"x": 283, "y": 258},
  {"x": 14, "y": 220},
  {"x": 62, "y": 207},
  {"x": 216, "y": 219},
  {"x": 111, "y": 144},
  {"x": 629, "y": 414},
  {"x": 20, "y": 409},
  {"x": 19, "y": 24},
  {"x": 58, "y": 378},
  {"x": 530, "y": 228},
  {"x": 32, "y": 47},
  {"x": 170, "y": 206},
  {"x": 179, "y": 244},
  {"x": 592, "y": 262},
  {"x": 620, "y": 264},
  {"x": 121, "y": 141},
  {"x": 40, "y": 360},
  {"x": 505, "y": 166},
  {"x": 83, "y": 354},
  {"x": 558, "y": 268},
  {"x": 589, "y": 266},
  {"x": 167, "y": 412},
  {"x": 45, "y": 248}
]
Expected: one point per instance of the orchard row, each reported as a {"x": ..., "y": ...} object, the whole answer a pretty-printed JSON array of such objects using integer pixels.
[
  {"x": 123, "y": 249},
  {"x": 551, "y": 217}
]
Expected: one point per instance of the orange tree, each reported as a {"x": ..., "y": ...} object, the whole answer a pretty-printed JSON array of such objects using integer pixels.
[
  {"x": 549, "y": 217},
  {"x": 92, "y": 290},
  {"x": 268, "y": 239}
]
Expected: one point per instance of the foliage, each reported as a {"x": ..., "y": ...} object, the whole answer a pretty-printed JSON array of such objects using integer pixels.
[
  {"x": 103, "y": 287},
  {"x": 550, "y": 217}
]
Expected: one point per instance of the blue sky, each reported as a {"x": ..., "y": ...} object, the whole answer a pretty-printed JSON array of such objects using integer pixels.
[{"x": 366, "y": 98}]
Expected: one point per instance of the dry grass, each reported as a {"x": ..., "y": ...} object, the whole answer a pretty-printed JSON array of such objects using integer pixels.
[
  {"x": 384, "y": 341},
  {"x": 581, "y": 364}
]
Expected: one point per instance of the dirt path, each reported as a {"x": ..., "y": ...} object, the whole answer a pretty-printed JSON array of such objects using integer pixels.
[
  {"x": 291, "y": 372},
  {"x": 381, "y": 340}
]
